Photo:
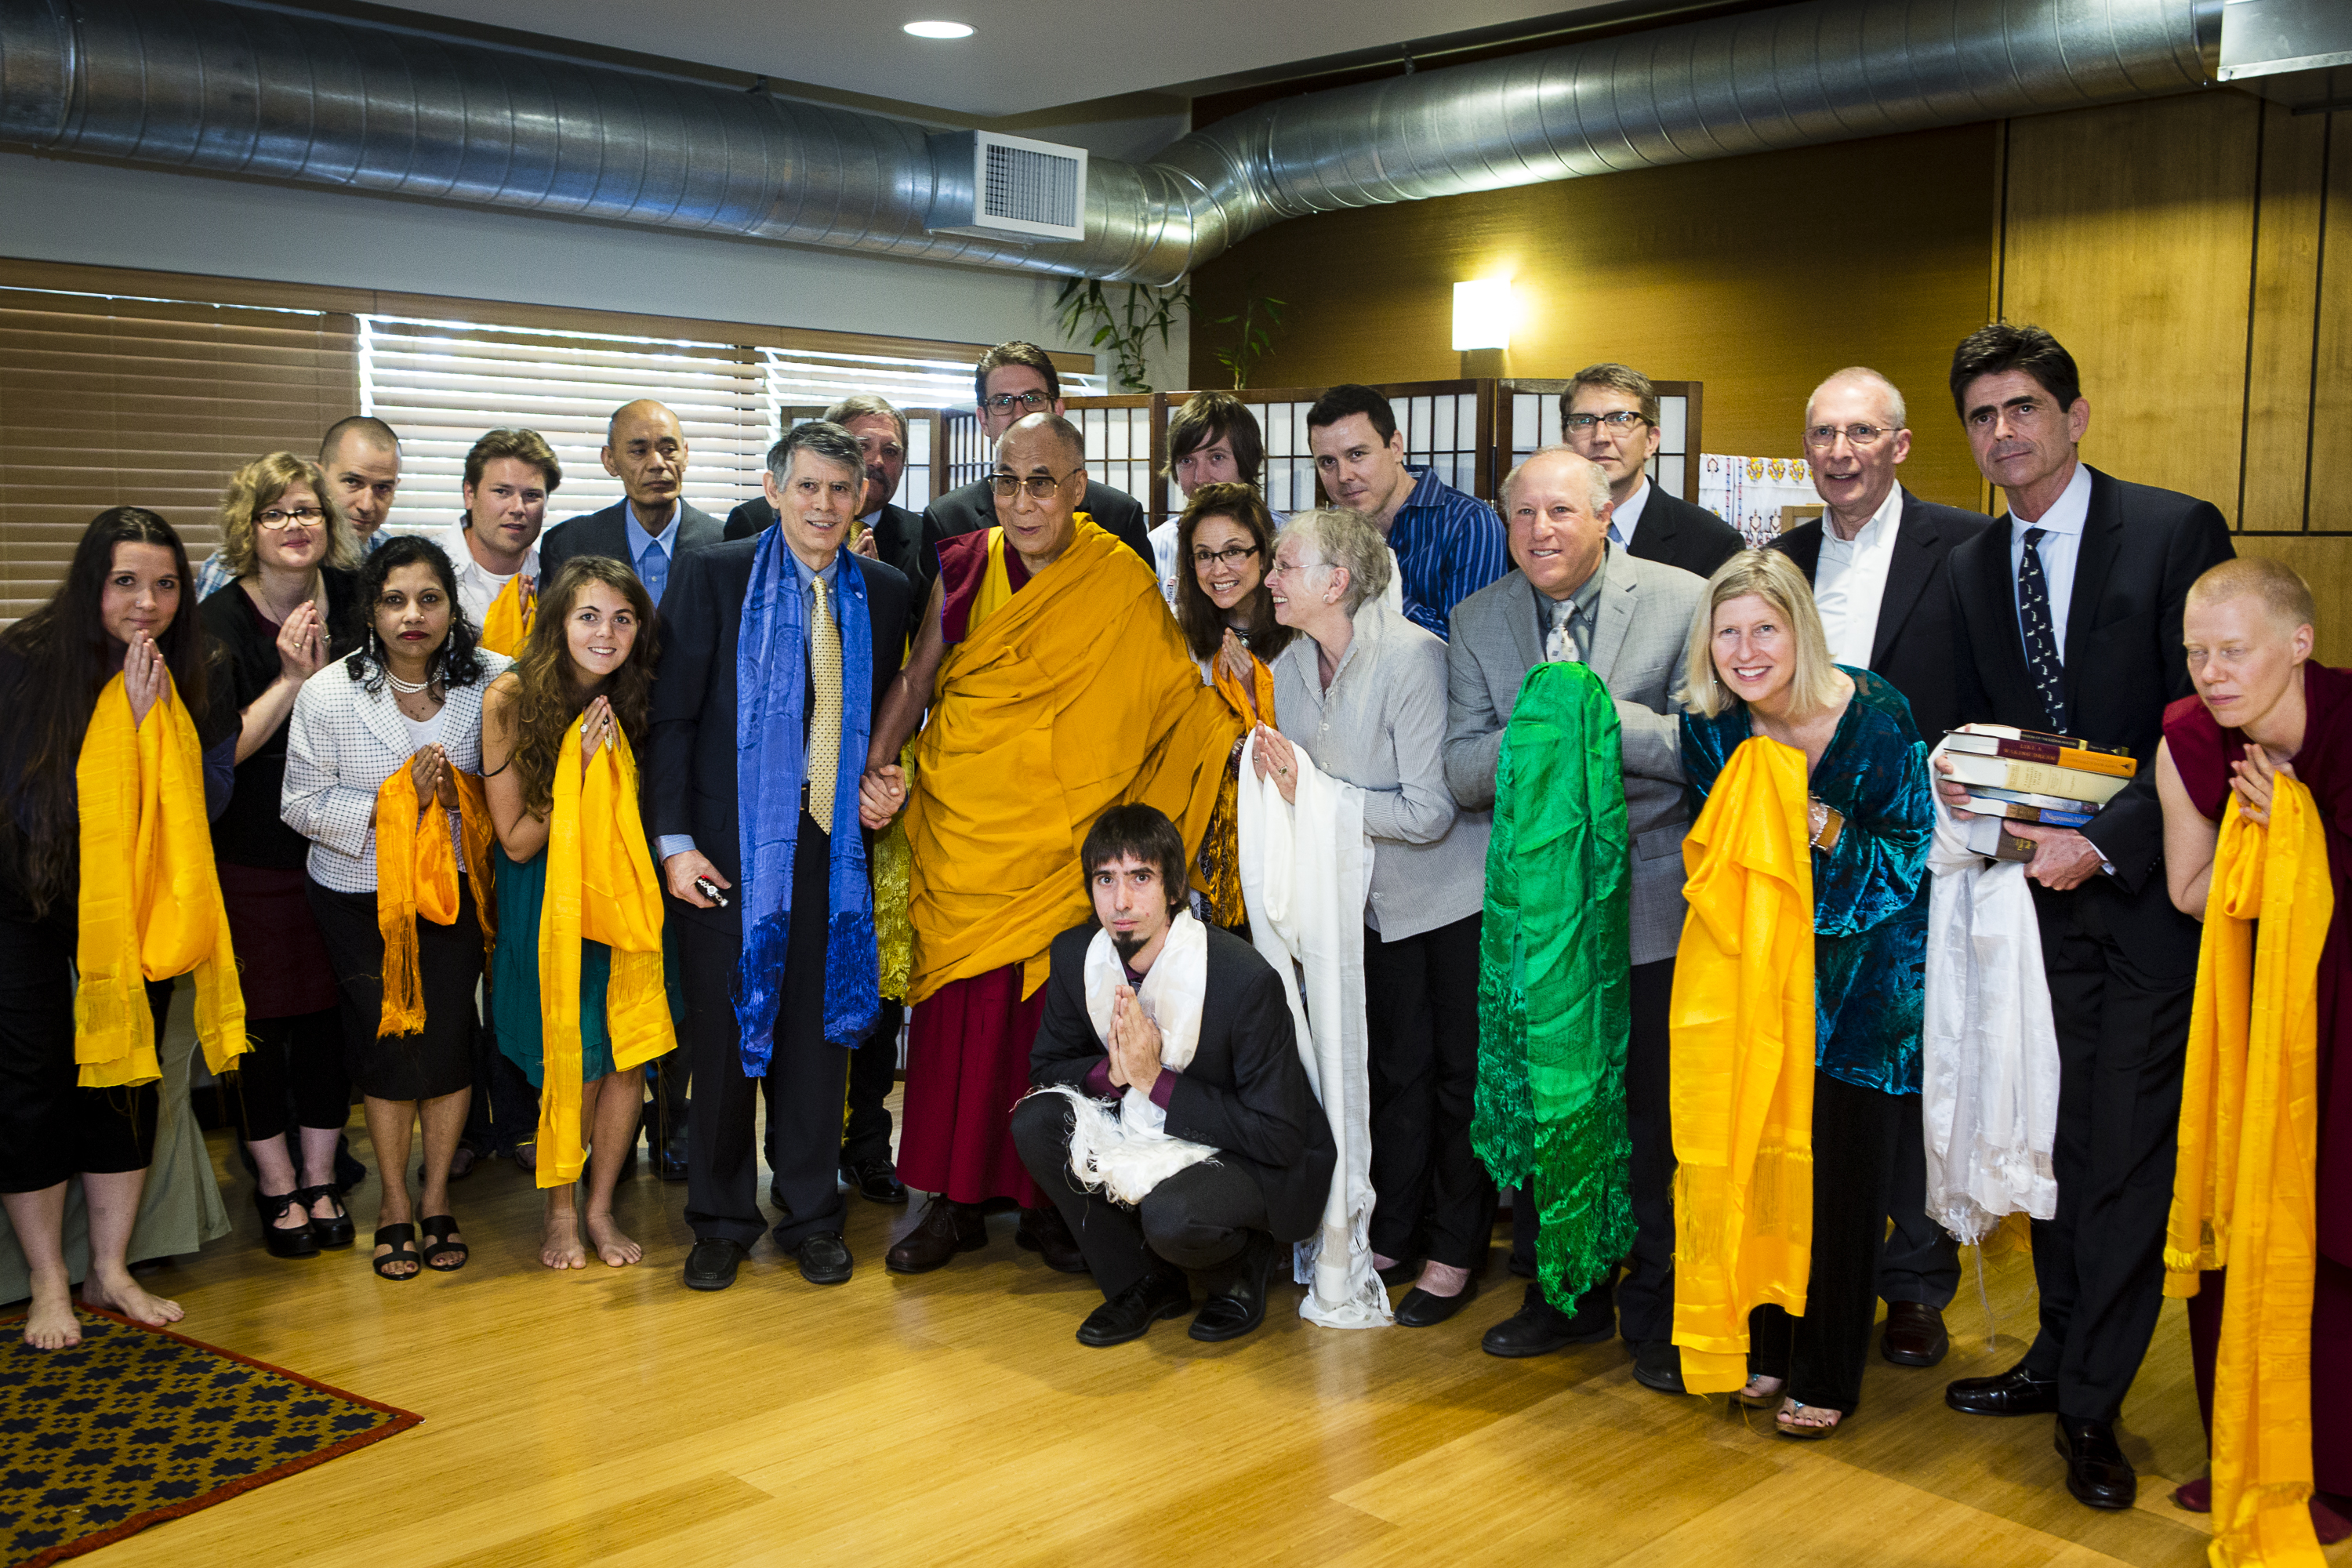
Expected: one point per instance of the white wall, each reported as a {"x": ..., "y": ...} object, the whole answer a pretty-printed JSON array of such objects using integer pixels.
[{"x": 107, "y": 214}]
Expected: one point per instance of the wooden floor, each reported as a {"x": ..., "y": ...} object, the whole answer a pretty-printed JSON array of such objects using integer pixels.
[{"x": 612, "y": 1416}]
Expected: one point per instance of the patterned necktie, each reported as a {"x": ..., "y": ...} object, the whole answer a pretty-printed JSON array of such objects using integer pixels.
[
  {"x": 2041, "y": 661},
  {"x": 824, "y": 714},
  {"x": 1560, "y": 641}
]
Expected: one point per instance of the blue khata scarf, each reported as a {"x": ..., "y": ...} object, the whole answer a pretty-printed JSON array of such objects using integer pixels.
[{"x": 772, "y": 695}]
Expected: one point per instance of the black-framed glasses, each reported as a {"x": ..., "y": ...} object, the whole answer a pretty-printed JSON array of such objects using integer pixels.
[
  {"x": 1618, "y": 419},
  {"x": 299, "y": 517},
  {"x": 1032, "y": 401},
  {"x": 1230, "y": 555},
  {"x": 1821, "y": 437},
  {"x": 1041, "y": 487}
]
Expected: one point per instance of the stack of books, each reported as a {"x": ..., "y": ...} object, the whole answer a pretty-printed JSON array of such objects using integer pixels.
[{"x": 2026, "y": 775}]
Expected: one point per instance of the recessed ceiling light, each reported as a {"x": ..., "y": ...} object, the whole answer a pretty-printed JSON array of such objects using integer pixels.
[{"x": 939, "y": 29}]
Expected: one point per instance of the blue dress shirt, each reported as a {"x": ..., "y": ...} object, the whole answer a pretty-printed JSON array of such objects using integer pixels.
[
  {"x": 1448, "y": 546},
  {"x": 650, "y": 553}
]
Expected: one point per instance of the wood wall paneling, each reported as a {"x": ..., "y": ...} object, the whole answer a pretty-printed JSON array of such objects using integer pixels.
[
  {"x": 2284, "y": 299},
  {"x": 2327, "y": 506}
]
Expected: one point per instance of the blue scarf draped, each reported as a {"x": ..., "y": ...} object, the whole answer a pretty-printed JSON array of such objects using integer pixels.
[{"x": 772, "y": 694}]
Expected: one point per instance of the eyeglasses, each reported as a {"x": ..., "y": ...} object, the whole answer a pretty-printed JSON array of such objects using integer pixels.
[
  {"x": 1032, "y": 401},
  {"x": 1821, "y": 437},
  {"x": 1232, "y": 555},
  {"x": 1623, "y": 419},
  {"x": 300, "y": 517},
  {"x": 1041, "y": 487}
]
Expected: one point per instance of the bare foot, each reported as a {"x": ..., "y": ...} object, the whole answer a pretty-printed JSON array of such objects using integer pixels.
[
  {"x": 52, "y": 1325},
  {"x": 1808, "y": 1420},
  {"x": 561, "y": 1248},
  {"x": 121, "y": 1294},
  {"x": 617, "y": 1250},
  {"x": 1760, "y": 1390}
]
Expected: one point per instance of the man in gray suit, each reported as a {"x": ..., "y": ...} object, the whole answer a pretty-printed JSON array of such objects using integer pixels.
[
  {"x": 1573, "y": 596},
  {"x": 646, "y": 450}
]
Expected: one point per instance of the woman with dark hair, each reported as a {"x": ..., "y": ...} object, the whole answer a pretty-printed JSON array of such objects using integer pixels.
[
  {"x": 560, "y": 733},
  {"x": 1224, "y": 543},
  {"x": 285, "y": 614},
  {"x": 104, "y": 686},
  {"x": 382, "y": 765}
]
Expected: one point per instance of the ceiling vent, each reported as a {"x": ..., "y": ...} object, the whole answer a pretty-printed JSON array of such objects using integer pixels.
[{"x": 999, "y": 187}]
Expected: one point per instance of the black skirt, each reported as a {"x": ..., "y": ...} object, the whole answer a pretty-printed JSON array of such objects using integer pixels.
[
  {"x": 50, "y": 1127},
  {"x": 425, "y": 1066}
]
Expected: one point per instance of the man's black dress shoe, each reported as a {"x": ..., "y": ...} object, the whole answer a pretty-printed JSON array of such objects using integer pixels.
[
  {"x": 1130, "y": 1314},
  {"x": 945, "y": 1230},
  {"x": 1658, "y": 1364},
  {"x": 1420, "y": 1310},
  {"x": 1915, "y": 1334},
  {"x": 2016, "y": 1392},
  {"x": 1240, "y": 1305},
  {"x": 711, "y": 1264},
  {"x": 1539, "y": 1327},
  {"x": 2096, "y": 1471},
  {"x": 875, "y": 1181},
  {"x": 1044, "y": 1232},
  {"x": 824, "y": 1259}
]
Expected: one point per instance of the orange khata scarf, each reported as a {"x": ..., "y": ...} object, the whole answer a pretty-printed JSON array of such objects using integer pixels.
[
  {"x": 150, "y": 900},
  {"x": 416, "y": 874},
  {"x": 507, "y": 621},
  {"x": 601, "y": 886},
  {"x": 1221, "y": 852},
  {"x": 2242, "y": 1190},
  {"x": 1741, "y": 1059}
]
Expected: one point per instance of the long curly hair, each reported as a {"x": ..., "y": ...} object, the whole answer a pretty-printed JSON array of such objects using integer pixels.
[
  {"x": 1202, "y": 623},
  {"x": 460, "y": 660},
  {"x": 68, "y": 660},
  {"x": 254, "y": 488},
  {"x": 548, "y": 698}
]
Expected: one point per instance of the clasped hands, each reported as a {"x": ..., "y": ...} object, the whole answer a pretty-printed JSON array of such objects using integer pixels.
[
  {"x": 2062, "y": 858},
  {"x": 2251, "y": 777},
  {"x": 1134, "y": 1046},
  {"x": 434, "y": 778},
  {"x": 145, "y": 677},
  {"x": 1274, "y": 757}
]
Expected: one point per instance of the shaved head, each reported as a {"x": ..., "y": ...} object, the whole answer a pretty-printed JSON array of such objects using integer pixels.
[
  {"x": 1072, "y": 442},
  {"x": 2285, "y": 597},
  {"x": 1862, "y": 378}
]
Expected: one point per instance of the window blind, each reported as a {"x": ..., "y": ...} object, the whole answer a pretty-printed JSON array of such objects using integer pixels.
[{"x": 113, "y": 401}]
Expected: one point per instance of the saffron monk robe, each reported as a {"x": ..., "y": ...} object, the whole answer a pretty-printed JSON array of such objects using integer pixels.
[
  {"x": 2265, "y": 711},
  {"x": 1059, "y": 687}
]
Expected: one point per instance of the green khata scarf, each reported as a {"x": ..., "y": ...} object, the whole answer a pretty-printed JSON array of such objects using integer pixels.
[{"x": 1552, "y": 977}]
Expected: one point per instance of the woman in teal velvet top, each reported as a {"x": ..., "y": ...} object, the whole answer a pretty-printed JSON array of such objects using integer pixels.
[{"x": 1760, "y": 664}]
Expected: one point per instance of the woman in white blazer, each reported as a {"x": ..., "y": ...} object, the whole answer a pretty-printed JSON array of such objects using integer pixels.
[{"x": 409, "y": 697}]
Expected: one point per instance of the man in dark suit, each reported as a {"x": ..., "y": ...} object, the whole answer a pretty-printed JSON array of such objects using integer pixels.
[
  {"x": 815, "y": 476},
  {"x": 1876, "y": 562},
  {"x": 1012, "y": 381},
  {"x": 652, "y": 524},
  {"x": 2067, "y": 616},
  {"x": 1240, "y": 1092},
  {"x": 1610, "y": 414}
]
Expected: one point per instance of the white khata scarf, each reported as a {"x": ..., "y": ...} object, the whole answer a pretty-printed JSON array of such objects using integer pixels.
[{"x": 1127, "y": 1151}]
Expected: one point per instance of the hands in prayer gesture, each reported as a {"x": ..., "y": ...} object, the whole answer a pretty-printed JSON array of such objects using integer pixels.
[
  {"x": 301, "y": 643},
  {"x": 1276, "y": 757},
  {"x": 1134, "y": 1042},
  {"x": 2250, "y": 780},
  {"x": 146, "y": 676},
  {"x": 596, "y": 729},
  {"x": 435, "y": 779}
]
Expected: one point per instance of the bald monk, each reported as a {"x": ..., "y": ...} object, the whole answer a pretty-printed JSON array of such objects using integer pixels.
[
  {"x": 1059, "y": 687},
  {"x": 2265, "y": 708}
]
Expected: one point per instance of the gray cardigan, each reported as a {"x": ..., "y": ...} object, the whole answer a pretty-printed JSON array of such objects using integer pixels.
[{"x": 1381, "y": 728}]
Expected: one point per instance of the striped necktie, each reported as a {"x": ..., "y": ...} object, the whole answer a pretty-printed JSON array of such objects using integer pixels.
[
  {"x": 824, "y": 714},
  {"x": 2041, "y": 661}
]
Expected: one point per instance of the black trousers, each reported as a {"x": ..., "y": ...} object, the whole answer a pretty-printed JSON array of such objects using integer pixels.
[
  {"x": 291, "y": 1075},
  {"x": 2099, "y": 1260},
  {"x": 802, "y": 1089},
  {"x": 1822, "y": 1353},
  {"x": 1921, "y": 1262},
  {"x": 1198, "y": 1219},
  {"x": 872, "y": 1068},
  {"x": 1432, "y": 1196},
  {"x": 50, "y": 1127}
]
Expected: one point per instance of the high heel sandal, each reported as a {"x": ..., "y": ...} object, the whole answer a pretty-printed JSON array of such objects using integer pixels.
[
  {"x": 330, "y": 1233},
  {"x": 301, "y": 1241},
  {"x": 437, "y": 1230},
  {"x": 402, "y": 1239}
]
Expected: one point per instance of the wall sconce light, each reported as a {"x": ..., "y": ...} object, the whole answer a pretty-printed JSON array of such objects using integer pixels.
[{"x": 1482, "y": 314}]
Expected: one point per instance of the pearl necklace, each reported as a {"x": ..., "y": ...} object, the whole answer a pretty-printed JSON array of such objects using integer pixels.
[{"x": 404, "y": 688}]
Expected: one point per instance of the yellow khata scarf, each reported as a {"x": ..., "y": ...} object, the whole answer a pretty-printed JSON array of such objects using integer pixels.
[
  {"x": 601, "y": 886},
  {"x": 507, "y": 621},
  {"x": 1221, "y": 856},
  {"x": 150, "y": 900},
  {"x": 2241, "y": 1193},
  {"x": 416, "y": 874},
  {"x": 1742, "y": 1063}
]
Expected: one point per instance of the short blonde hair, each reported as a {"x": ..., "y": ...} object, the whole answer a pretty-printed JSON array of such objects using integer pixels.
[
  {"x": 2278, "y": 585},
  {"x": 252, "y": 490},
  {"x": 1773, "y": 577},
  {"x": 1343, "y": 538}
]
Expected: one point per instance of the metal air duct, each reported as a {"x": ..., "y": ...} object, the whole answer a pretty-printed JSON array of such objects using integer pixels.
[{"x": 210, "y": 86}]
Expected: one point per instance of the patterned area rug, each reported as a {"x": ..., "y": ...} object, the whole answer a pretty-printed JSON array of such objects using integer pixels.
[{"x": 136, "y": 1425}]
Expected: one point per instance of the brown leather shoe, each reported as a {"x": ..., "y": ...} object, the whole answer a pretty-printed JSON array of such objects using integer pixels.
[
  {"x": 1915, "y": 1334},
  {"x": 1044, "y": 1232},
  {"x": 945, "y": 1230}
]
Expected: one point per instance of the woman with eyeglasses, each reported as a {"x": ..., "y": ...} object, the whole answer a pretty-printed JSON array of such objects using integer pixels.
[{"x": 283, "y": 614}]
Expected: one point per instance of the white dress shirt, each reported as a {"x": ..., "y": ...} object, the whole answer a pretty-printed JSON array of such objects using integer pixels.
[
  {"x": 2064, "y": 525},
  {"x": 477, "y": 588},
  {"x": 1850, "y": 581},
  {"x": 1627, "y": 517}
]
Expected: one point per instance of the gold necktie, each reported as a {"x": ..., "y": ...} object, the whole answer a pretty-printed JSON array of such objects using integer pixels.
[{"x": 825, "y": 718}]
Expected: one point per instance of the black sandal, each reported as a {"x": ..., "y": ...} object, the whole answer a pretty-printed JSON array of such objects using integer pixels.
[
  {"x": 402, "y": 1239},
  {"x": 331, "y": 1232},
  {"x": 298, "y": 1241},
  {"x": 437, "y": 1229}
]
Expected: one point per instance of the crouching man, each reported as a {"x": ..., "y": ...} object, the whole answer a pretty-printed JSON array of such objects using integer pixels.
[{"x": 1173, "y": 1124}]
